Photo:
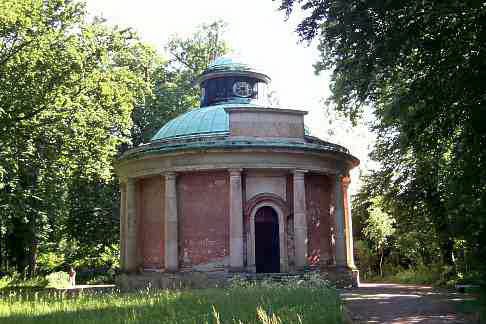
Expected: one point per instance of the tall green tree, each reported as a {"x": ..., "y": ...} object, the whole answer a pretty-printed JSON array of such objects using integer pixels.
[
  {"x": 65, "y": 107},
  {"x": 378, "y": 229},
  {"x": 420, "y": 66}
]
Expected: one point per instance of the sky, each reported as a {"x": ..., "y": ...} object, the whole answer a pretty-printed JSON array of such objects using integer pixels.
[{"x": 261, "y": 35}]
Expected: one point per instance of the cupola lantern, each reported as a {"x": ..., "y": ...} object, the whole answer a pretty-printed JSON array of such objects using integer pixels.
[{"x": 228, "y": 80}]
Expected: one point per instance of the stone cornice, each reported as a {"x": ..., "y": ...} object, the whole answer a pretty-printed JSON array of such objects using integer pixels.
[{"x": 265, "y": 110}]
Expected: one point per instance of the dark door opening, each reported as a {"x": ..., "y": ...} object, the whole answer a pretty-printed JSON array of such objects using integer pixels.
[{"x": 267, "y": 247}]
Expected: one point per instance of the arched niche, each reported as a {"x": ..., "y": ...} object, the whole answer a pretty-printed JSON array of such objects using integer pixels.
[{"x": 280, "y": 207}]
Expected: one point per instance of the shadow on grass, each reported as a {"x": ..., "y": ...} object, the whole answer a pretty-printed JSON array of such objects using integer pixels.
[{"x": 476, "y": 304}]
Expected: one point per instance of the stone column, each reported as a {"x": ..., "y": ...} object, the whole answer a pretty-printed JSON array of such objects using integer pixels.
[
  {"x": 131, "y": 227},
  {"x": 123, "y": 222},
  {"x": 236, "y": 220},
  {"x": 339, "y": 232},
  {"x": 300, "y": 220},
  {"x": 171, "y": 223},
  {"x": 348, "y": 223}
]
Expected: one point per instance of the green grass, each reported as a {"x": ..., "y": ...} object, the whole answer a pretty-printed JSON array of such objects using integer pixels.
[
  {"x": 289, "y": 303},
  {"x": 476, "y": 305},
  {"x": 408, "y": 276}
]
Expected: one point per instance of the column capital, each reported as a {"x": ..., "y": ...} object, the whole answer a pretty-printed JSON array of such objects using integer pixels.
[
  {"x": 299, "y": 173},
  {"x": 235, "y": 172},
  {"x": 346, "y": 181},
  {"x": 130, "y": 181},
  {"x": 170, "y": 175}
]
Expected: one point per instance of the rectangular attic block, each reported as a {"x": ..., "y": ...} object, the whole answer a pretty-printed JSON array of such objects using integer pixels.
[{"x": 266, "y": 123}]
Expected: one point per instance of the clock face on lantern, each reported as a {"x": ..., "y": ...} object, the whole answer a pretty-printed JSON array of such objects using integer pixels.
[{"x": 242, "y": 89}]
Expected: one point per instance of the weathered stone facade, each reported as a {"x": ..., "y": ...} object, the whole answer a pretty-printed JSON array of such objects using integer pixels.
[{"x": 192, "y": 199}]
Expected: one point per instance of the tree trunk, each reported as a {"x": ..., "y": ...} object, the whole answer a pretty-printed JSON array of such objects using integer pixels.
[
  {"x": 33, "y": 229},
  {"x": 33, "y": 258},
  {"x": 447, "y": 247},
  {"x": 1, "y": 248},
  {"x": 382, "y": 250}
]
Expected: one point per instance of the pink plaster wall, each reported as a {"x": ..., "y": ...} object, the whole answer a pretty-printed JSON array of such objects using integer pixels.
[
  {"x": 203, "y": 200},
  {"x": 318, "y": 218},
  {"x": 151, "y": 222}
]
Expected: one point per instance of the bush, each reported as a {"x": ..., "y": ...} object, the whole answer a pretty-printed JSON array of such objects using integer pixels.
[
  {"x": 96, "y": 276},
  {"x": 58, "y": 279},
  {"x": 16, "y": 280}
]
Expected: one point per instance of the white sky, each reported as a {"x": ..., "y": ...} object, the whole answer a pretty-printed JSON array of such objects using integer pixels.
[{"x": 257, "y": 32}]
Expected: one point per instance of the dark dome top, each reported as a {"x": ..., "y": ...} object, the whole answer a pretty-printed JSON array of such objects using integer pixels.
[{"x": 231, "y": 66}]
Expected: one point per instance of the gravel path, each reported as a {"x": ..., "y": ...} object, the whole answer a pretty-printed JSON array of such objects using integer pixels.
[{"x": 395, "y": 303}]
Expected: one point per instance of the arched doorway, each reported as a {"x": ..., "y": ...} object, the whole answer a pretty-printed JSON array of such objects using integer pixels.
[{"x": 267, "y": 242}]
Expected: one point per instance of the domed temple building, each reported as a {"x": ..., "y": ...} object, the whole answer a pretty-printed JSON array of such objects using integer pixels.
[{"x": 235, "y": 186}]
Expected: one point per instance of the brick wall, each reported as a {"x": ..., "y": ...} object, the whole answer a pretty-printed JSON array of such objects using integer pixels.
[{"x": 203, "y": 200}]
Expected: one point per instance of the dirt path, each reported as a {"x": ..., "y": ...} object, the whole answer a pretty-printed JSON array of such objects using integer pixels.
[{"x": 394, "y": 303}]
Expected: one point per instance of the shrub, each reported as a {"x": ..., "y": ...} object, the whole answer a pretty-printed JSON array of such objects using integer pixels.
[{"x": 58, "y": 279}]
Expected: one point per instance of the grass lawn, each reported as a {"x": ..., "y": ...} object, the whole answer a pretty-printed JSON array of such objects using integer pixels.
[{"x": 292, "y": 303}]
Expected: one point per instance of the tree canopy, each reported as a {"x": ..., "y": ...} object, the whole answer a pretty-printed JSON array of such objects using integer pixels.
[
  {"x": 173, "y": 88},
  {"x": 420, "y": 67}
]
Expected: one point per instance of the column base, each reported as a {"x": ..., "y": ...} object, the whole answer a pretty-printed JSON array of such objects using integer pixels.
[
  {"x": 237, "y": 269},
  {"x": 171, "y": 271},
  {"x": 344, "y": 277},
  {"x": 305, "y": 268}
]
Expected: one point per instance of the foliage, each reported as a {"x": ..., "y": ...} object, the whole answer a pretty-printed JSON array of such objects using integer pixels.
[
  {"x": 66, "y": 104},
  {"x": 379, "y": 225},
  {"x": 58, "y": 279},
  {"x": 378, "y": 229},
  {"x": 16, "y": 281},
  {"x": 173, "y": 80},
  {"x": 419, "y": 65},
  {"x": 292, "y": 304},
  {"x": 420, "y": 274},
  {"x": 475, "y": 305}
]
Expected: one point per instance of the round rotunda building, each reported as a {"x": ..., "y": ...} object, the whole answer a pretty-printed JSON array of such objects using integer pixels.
[{"x": 234, "y": 186}]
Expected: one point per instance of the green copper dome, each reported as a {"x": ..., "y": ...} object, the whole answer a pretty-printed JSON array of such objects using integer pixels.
[{"x": 203, "y": 121}]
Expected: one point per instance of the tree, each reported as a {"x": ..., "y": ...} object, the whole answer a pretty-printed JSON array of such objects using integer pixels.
[
  {"x": 378, "y": 229},
  {"x": 420, "y": 66},
  {"x": 172, "y": 80},
  {"x": 65, "y": 107}
]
